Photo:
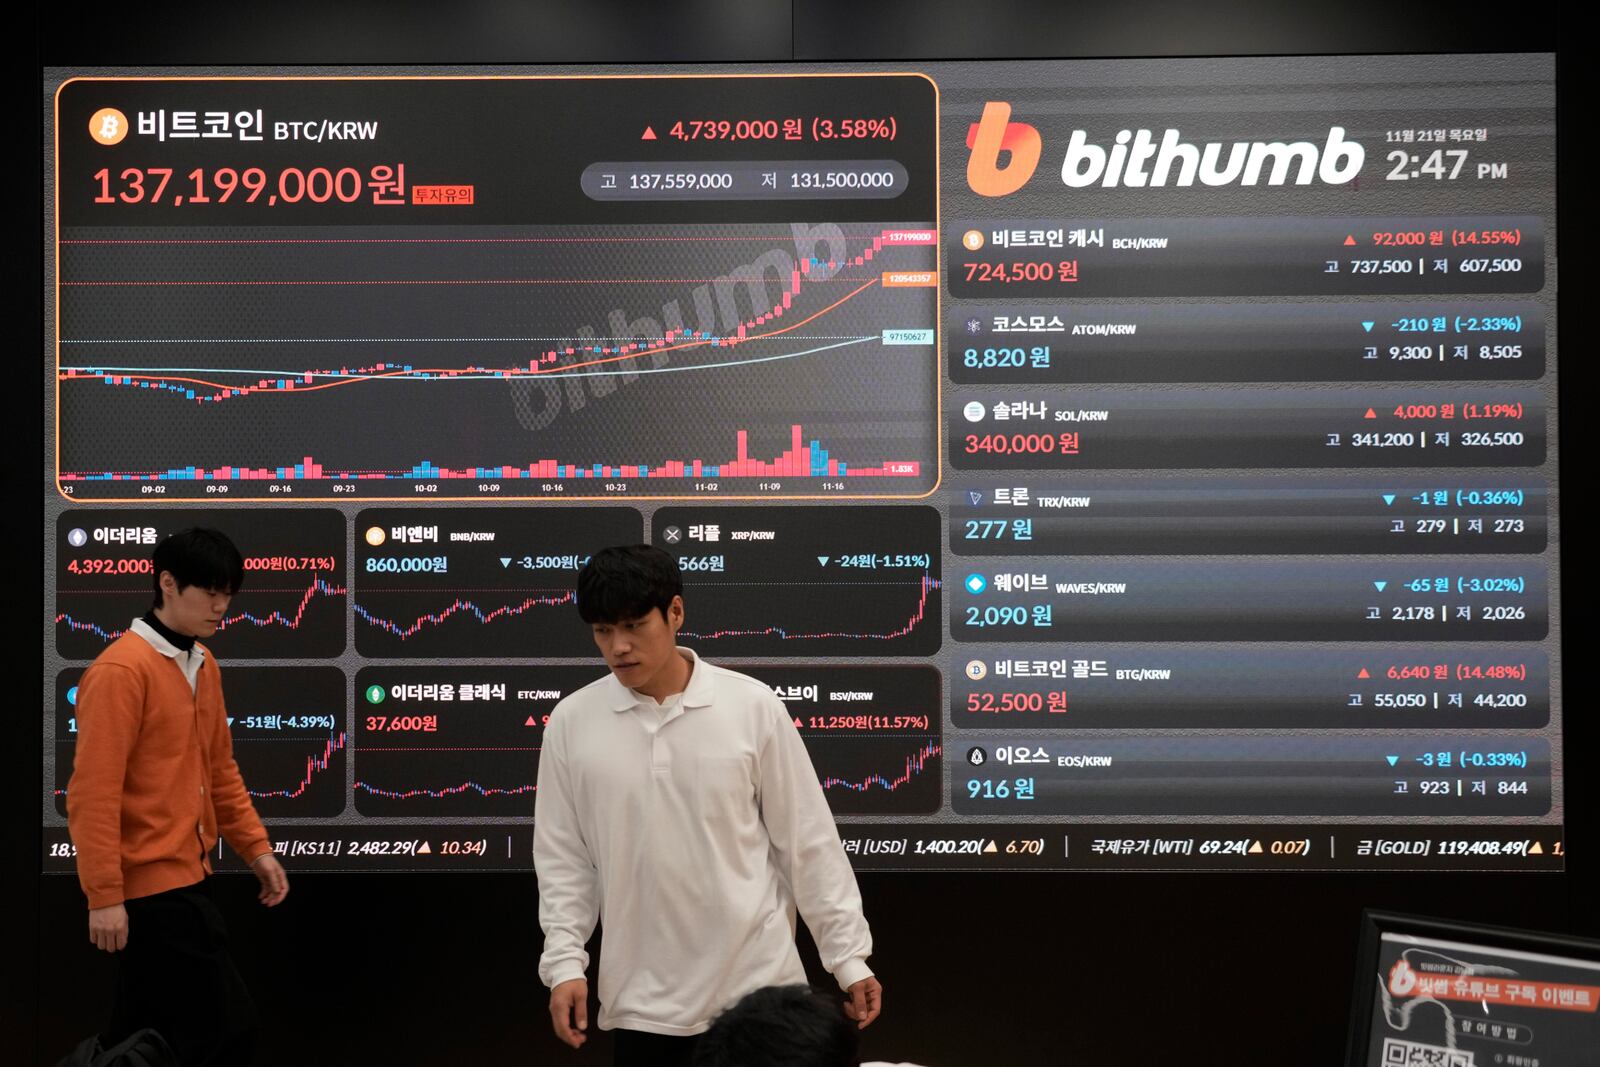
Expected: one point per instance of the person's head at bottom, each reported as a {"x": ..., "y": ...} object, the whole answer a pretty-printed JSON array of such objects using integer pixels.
[
  {"x": 632, "y": 598},
  {"x": 780, "y": 1026}
]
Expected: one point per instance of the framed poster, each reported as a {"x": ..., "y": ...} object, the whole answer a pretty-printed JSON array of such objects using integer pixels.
[{"x": 1456, "y": 994}]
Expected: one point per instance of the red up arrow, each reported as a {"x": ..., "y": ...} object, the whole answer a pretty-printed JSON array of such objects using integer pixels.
[
  {"x": 1371, "y": 414},
  {"x": 1363, "y": 673},
  {"x": 1350, "y": 239},
  {"x": 650, "y": 135},
  {"x": 531, "y": 721}
]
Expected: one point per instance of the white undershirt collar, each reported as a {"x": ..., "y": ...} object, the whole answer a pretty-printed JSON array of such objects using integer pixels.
[{"x": 188, "y": 662}]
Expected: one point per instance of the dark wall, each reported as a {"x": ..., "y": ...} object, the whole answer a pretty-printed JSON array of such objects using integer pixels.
[
  {"x": 1006, "y": 968},
  {"x": 437, "y": 970}
]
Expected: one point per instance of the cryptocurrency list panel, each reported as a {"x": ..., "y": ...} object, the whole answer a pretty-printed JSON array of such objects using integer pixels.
[{"x": 1109, "y": 465}]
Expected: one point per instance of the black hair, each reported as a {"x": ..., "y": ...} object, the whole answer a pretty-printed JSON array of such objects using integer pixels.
[
  {"x": 198, "y": 556},
  {"x": 781, "y": 1026},
  {"x": 627, "y": 581}
]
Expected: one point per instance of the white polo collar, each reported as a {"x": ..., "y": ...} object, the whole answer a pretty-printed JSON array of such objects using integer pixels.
[
  {"x": 161, "y": 644},
  {"x": 187, "y": 662},
  {"x": 697, "y": 694}
]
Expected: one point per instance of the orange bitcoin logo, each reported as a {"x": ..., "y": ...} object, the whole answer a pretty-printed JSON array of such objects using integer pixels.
[
  {"x": 991, "y": 135},
  {"x": 108, "y": 125}
]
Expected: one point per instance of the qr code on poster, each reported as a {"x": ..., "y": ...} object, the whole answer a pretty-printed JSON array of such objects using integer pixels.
[{"x": 1397, "y": 1053}]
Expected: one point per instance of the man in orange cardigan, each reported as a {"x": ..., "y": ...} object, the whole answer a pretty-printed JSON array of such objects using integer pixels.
[{"x": 153, "y": 784}]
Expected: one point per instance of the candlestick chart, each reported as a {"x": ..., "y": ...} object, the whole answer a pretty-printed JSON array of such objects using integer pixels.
[{"x": 541, "y": 361}]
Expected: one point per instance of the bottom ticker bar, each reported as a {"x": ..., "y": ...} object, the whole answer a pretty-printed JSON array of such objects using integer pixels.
[{"x": 959, "y": 846}]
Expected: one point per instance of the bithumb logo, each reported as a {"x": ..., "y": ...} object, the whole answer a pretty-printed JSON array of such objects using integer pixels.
[
  {"x": 1138, "y": 160},
  {"x": 990, "y": 136}
]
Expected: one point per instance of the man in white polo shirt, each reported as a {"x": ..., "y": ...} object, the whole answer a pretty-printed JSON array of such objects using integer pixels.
[{"x": 677, "y": 804}]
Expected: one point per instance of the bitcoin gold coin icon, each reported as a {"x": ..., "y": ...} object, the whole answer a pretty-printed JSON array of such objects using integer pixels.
[{"x": 108, "y": 126}]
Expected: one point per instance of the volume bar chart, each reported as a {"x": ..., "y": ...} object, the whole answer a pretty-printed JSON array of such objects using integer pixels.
[{"x": 802, "y": 459}]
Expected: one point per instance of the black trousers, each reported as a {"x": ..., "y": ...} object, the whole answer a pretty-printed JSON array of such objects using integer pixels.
[
  {"x": 635, "y": 1048},
  {"x": 177, "y": 977}
]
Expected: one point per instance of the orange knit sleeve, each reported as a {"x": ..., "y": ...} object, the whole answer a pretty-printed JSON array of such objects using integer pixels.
[{"x": 110, "y": 708}]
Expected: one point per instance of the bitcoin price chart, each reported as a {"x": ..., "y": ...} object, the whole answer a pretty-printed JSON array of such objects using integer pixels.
[
  {"x": 1115, "y": 465},
  {"x": 312, "y": 326}
]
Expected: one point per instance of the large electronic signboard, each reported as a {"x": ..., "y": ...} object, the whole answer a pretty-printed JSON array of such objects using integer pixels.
[{"x": 1136, "y": 464}]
